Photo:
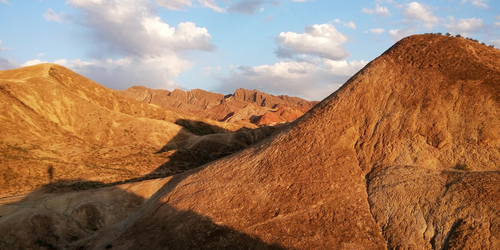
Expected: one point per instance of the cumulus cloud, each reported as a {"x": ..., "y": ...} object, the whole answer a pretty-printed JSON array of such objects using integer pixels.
[
  {"x": 129, "y": 71},
  {"x": 377, "y": 31},
  {"x": 420, "y": 12},
  {"x": 310, "y": 80},
  {"x": 478, "y": 3},
  {"x": 50, "y": 15},
  {"x": 321, "y": 40},
  {"x": 248, "y": 7},
  {"x": 130, "y": 27},
  {"x": 397, "y": 34},
  {"x": 379, "y": 11},
  {"x": 148, "y": 48},
  {"x": 464, "y": 26}
]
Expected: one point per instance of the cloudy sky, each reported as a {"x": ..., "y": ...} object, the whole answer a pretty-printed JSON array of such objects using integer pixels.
[{"x": 305, "y": 48}]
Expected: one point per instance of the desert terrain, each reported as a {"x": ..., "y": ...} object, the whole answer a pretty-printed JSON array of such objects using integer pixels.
[{"x": 405, "y": 155}]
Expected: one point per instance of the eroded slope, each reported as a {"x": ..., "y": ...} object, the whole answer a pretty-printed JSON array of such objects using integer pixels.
[{"x": 404, "y": 156}]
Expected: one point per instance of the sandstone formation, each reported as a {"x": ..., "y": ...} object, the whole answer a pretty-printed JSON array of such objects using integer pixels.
[
  {"x": 405, "y": 155},
  {"x": 244, "y": 106},
  {"x": 61, "y": 128}
]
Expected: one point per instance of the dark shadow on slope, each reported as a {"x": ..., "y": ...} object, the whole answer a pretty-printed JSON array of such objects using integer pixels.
[
  {"x": 199, "y": 127},
  {"x": 192, "y": 153},
  {"x": 183, "y": 153},
  {"x": 91, "y": 220}
]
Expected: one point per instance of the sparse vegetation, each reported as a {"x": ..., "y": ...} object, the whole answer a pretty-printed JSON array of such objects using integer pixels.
[
  {"x": 462, "y": 167},
  {"x": 460, "y": 36}
]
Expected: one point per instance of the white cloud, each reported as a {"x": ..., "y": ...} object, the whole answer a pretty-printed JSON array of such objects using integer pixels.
[
  {"x": 131, "y": 28},
  {"x": 464, "y": 26},
  {"x": 321, "y": 40},
  {"x": 32, "y": 62},
  {"x": 420, "y": 12},
  {"x": 478, "y": 3},
  {"x": 50, "y": 15},
  {"x": 129, "y": 71},
  {"x": 350, "y": 25},
  {"x": 61, "y": 62},
  {"x": 379, "y": 11},
  {"x": 150, "y": 49},
  {"x": 41, "y": 54},
  {"x": 310, "y": 80},
  {"x": 497, "y": 24},
  {"x": 377, "y": 31},
  {"x": 397, "y": 34},
  {"x": 5, "y": 2}
]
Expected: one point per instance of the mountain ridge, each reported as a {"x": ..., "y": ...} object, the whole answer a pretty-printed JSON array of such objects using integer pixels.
[
  {"x": 405, "y": 155},
  {"x": 243, "y": 106},
  {"x": 53, "y": 118}
]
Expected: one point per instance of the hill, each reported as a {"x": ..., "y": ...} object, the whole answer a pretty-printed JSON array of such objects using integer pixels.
[
  {"x": 59, "y": 127},
  {"x": 405, "y": 155},
  {"x": 244, "y": 106}
]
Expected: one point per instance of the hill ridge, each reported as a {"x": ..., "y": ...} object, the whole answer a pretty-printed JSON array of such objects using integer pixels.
[{"x": 405, "y": 155}]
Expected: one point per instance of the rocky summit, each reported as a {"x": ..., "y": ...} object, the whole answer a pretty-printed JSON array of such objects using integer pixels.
[
  {"x": 405, "y": 155},
  {"x": 244, "y": 106}
]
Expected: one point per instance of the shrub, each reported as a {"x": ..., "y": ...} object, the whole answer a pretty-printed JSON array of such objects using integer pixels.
[{"x": 462, "y": 167}]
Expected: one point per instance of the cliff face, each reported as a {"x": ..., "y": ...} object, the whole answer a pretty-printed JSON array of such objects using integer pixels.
[
  {"x": 244, "y": 106},
  {"x": 405, "y": 155}
]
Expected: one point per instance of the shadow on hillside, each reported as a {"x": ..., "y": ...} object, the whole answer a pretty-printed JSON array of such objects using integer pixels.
[
  {"x": 113, "y": 217},
  {"x": 182, "y": 153}
]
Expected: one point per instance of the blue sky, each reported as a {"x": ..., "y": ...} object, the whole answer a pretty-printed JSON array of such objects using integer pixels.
[{"x": 305, "y": 48}]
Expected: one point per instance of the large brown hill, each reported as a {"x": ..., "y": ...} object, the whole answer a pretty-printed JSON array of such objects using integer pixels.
[
  {"x": 59, "y": 127},
  {"x": 405, "y": 155},
  {"x": 244, "y": 106}
]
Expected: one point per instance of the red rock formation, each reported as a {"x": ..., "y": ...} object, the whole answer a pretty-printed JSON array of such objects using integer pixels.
[{"x": 238, "y": 107}]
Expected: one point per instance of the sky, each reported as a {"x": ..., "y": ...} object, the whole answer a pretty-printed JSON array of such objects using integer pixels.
[{"x": 304, "y": 48}]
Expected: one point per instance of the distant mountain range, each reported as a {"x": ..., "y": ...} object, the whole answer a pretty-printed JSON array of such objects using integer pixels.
[{"x": 244, "y": 106}]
